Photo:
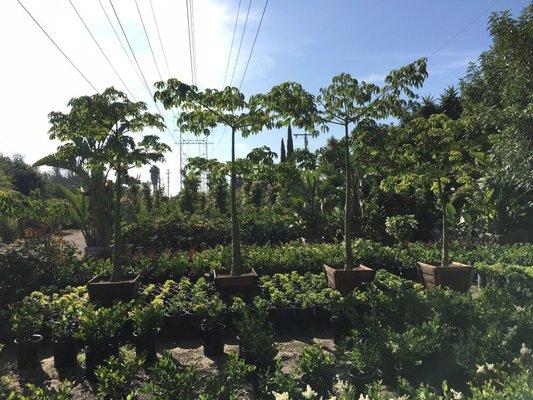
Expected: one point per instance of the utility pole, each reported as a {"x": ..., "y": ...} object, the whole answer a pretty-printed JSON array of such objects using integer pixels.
[
  {"x": 168, "y": 183},
  {"x": 306, "y": 140}
]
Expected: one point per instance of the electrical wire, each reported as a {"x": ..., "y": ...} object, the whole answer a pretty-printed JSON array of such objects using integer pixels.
[
  {"x": 232, "y": 41},
  {"x": 190, "y": 33},
  {"x": 148, "y": 40},
  {"x": 101, "y": 49},
  {"x": 160, "y": 40},
  {"x": 57, "y": 47},
  {"x": 253, "y": 44},
  {"x": 240, "y": 43},
  {"x": 137, "y": 63}
]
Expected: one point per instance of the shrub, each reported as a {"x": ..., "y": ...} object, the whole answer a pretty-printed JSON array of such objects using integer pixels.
[
  {"x": 168, "y": 380},
  {"x": 317, "y": 368},
  {"x": 116, "y": 377},
  {"x": 401, "y": 227}
]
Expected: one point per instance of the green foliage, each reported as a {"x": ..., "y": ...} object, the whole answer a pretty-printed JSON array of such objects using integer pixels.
[
  {"x": 317, "y": 367},
  {"x": 29, "y": 316},
  {"x": 169, "y": 380},
  {"x": 212, "y": 312},
  {"x": 147, "y": 319},
  {"x": 401, "y": 227},
  {"x": 116, "y": 377},
  {"x": 100, "y": 325}
]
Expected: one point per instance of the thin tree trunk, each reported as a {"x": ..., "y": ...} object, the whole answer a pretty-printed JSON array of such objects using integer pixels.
[
  {"x": 97, "y": 205},
  {"x": 348, "y": 254},
  {"x": 357, "y": 212},
  {"x": 236, "y": 258},
  {"x": 118, "y": 271},
  {"x": 445, "y": 258}
]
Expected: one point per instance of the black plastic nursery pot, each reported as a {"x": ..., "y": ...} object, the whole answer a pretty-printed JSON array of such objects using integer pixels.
[
  {"x": 282, "y": 319},
  {"x": 104, "y": 291},
  {"x": 182, "y": 326},
  {"x": 341, "y": 327},
  {"x": 96, "y": 354},
  {"x": 65, "y": 353},
  {"x": 28, "y": 352},
  {"x": 145, "y": 345},
  {"x": 214, "y": 341}
]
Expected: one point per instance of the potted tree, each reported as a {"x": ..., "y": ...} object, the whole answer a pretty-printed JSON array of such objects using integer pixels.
[
  {"x": 26, "y": 323},
  {"x": 201, "y": 112},
  {"x": 212, "y": 312},
  {"x": 147, "y": 321},
  {"x": 436, "y": 153},
  {"x": 346, "y": 102},
  {"x": 111, "y": 120}
]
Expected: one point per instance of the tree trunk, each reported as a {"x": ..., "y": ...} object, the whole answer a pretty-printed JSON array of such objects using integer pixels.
[
  {"x": 236, "y": 258},
  {"x": 357, "y": 212},
  {"x": 118, "y": 271},
  {"x": 445, "y": 258},
  {"x": 348, "y": 254},
  {"x": 98, "y": 209}
]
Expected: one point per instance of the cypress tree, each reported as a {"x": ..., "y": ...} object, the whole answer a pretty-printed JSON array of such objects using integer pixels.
[
  {"x": 283, "y": 156},
  {"x": 290, "y": 147}
]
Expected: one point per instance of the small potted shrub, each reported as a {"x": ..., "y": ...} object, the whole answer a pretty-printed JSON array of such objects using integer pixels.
[
  {"x": 147, "y": 320},
  {"x": 26, "y": 322},
  {"x": 317, "y": 367},
  {"x": 98, "y": 330},
  {"x": 255, "y": 334},
  {"x": 212, "y": 313},
  {"x": 63, "y": 325}
]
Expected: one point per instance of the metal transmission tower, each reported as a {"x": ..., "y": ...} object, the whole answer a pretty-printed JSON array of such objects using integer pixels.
[
  {"x": 189, "y": 145},
  {"x": 306, "y": 139}
]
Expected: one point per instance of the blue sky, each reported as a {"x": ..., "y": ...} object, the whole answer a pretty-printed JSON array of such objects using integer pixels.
[{"x": 306, "y": 41}]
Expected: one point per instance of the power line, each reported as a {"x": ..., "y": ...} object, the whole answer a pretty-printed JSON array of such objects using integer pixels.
[
  {"x": 253, "y": 44},
  {"x": 148, "y": 40},
  {"x": 137, "y": 63},
  {"x": 190, "y": 33},
  {"x": 240, "y": 43},
  {"x": 101, "y": 50},
  {"x": 160, "y": 40},
  {"x": 455, "y": 36},
  {"x": 57, "y": 47},
  {"x": 232, "y": 41},
  {"x": 464, "y": 29},
  {"x": 120, "y": 41}
]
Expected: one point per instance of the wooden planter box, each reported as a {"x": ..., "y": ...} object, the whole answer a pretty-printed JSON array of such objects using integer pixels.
[
  {"x": 345, "y": 280},
  {"x": 456, "y": 276},
  {"x": 244, "y": 285},
  {"x": 103, "y": 291}
]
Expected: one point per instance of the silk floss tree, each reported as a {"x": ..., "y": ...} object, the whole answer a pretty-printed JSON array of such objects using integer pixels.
[
  {"x": 346, "y": 102},
  {"x": 200, "y": 112},
  {"x": 112, "y": 120}
]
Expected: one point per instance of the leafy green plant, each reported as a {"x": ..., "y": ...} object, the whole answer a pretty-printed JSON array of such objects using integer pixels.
[
  {"x": 116, "y": 377},
  {"x": 100, "y": 325},
  {"x": 401, "y": 227},
  {"x": 317, "y": 367},
  {"x": 147, "y": 318},
  {"x": 168, "y": 380},
  {"x": 29, "y": 316},
  {"x": 212, "y": 312}
]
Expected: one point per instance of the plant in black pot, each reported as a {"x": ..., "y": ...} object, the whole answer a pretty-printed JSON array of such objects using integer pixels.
[
  {"x": 212, "y": 312},
  {"x": 63, "y": 325},
  {"x": 98, "y": 330},
  {"x": 26, "y": 322},
  {"x": 255, "y": 333},
  {"x": 147, "y": 320},
  {"x": 317, "y": 367}
]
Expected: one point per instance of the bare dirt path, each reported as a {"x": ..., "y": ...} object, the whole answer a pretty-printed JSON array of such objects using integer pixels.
[{"x": 75, "y": 237}]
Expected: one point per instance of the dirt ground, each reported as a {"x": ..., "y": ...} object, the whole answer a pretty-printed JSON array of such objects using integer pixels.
[{"x": 186, "y": 352}]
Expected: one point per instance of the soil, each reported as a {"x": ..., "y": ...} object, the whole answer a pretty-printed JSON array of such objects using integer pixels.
[
  {"x": 185, "y": 352},
  {"x": 75, "y": 237}
]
